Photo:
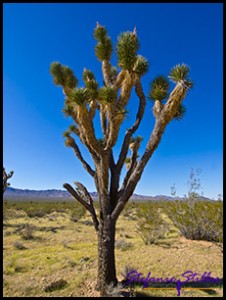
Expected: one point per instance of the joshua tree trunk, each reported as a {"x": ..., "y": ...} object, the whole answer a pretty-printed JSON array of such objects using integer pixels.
[{"x": 106, "y": 255}]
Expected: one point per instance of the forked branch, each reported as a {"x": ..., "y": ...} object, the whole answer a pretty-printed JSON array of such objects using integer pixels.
[{"x": 88, "y": 206}]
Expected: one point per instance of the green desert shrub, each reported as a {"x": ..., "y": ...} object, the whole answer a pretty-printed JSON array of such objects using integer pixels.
[
  {"x": 27, "y": 233},
  {"x": 198, "y": 219},
  {"x": 122, "y": 245},
  {"x": 77, "y": 213},
  {"x": 36, "y": 213},
  {"x": 151, "y": 225},
  {"x": 129, "y": 211}
]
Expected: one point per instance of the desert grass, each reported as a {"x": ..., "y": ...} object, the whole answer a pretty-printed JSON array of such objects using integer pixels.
[{"x": 61, "y": 257}]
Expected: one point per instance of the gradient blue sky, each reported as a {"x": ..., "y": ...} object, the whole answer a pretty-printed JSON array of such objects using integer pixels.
[{"x": 34, "y": 35}]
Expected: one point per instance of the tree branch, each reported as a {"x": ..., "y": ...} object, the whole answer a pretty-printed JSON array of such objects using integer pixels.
[
  {"x": 80, "y": 157},
  {"x": 103, "y": 120},
  {"x": 132, "y": 130},
  {"x": 92, "y": 211},
  {"x": 129, "y": 172},
  {"x": 86, "y": 126},
  {"x": 175, "y": 98},
  {"x": 106, "y": 68},
  {"x": 125, "y": 145},
  {"x": 89, "y": 207},
  {"x": 85, "y": 142},
  {"x": 119, "y": 80},
  {"x": 92, "y": 110},
  {"x": 116, "y": 111},
  {"x": 166, "y": 115},
  {"x": 126, "y": 88},
  {"x": 70, "y": 189}
]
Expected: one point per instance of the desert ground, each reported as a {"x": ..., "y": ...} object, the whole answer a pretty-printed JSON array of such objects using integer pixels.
[{"x": 54, "y": 253}]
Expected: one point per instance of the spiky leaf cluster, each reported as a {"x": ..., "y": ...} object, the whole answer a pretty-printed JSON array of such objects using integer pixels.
[
  {"x": 92, "y": 87},
  {"x": 79, "y": 96},
  {"x": 122, "y": 111},
  {"x": 181, "y": 73},
  {"x": 159, "y": 88},
  {"x": 66, "y": 134},
  {"x": 113, "y": 73},
  {"x": 73, "y": 129},
  {"x": 137, "y": 139},
  {"x": 141, "y": 65},
  {"x": 100, "y": 33},
  {"x": 107, "y": 94},
  {"x": 87, "y": 75},
  {"x": 63, "y": 75},
  {"x": 127, "y": 47},
  {"x": 128, "y": 160},
  {"x": 90, "y": 83},
  {"x": 69, "y": 141},
  {"x": 103, "y": 49},
  {"x": 180, "y": 112},
  {"x": 68, "y": 110}
]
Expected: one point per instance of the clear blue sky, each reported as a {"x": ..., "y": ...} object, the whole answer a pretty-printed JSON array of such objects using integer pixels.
[{"x": 34, "y": 35}]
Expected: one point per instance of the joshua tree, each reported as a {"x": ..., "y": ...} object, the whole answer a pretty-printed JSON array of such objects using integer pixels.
[
  {"x": 110, "y": 101},
  {"x": 5, "y": 179}
]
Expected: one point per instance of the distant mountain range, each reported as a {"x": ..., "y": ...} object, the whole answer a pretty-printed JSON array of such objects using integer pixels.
[{"x": 60, "y": 195}]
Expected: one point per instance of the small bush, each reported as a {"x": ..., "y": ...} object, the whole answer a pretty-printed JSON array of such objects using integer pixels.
[
  {"x": 36, "y": 213},
  {"x": 122, "y": 245},
  {"x": 77, "y": 213},
  {"x": 125, "y": 270},
  {"x": 74, "y": 217},
  {"x": 129, "y": 211},
  {"x": 27, "y": 232},
  {"x": 19, "y": 246},
  {"x": 151, "y": 226},
  {"x": 6, "y": 233},
  {"x": 55, "y": 285},
  {"x": 198, "y": 220}
]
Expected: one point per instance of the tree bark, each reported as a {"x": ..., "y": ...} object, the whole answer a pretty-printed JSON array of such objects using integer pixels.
[{"x": 106, "y": 255}]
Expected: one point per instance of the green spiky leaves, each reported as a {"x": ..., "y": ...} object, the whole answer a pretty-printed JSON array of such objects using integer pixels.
[
  {"x": 68, "y": 110},
  {"x": 128, "y": 160},
  {"x": 141, "y": 65},
  {"x": 90, "y": 83},
  {"x": 66, "y": 134},
  {"x": 87, "y": 75},
  {"x": 113, "y": 73},
  {"x": 103, "y": 49},
  {"x": 79, "y": 96},
  {"x": 180, "y": 112},
  {"x": 181, "y": 73},
  {"x": 107, "y": 95},
  {"x": 63, "y": 75},
  {"x": 100, "y": 33},
  {"x": 127, "y": 47},
  {"x": 159, "y": 88},
  {"x": 137, "y": 139},
  {"x": 73, "y": 129},
  {"x": 135, "y": 143}
]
